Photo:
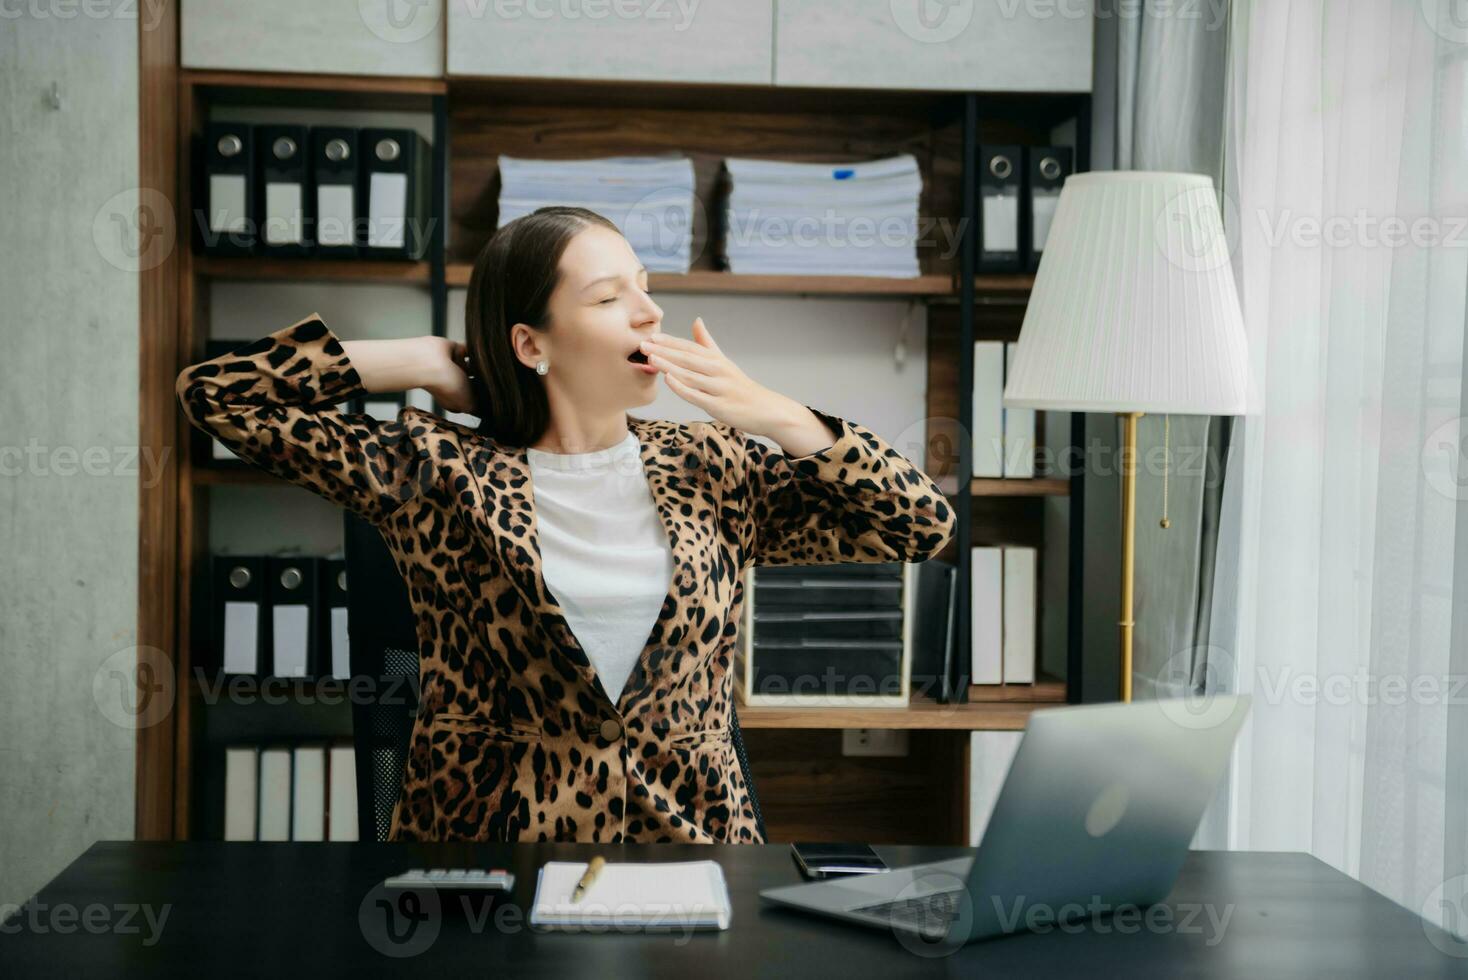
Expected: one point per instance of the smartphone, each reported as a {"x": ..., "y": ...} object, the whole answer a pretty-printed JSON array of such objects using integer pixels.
[{"x": 835, "y": 860}]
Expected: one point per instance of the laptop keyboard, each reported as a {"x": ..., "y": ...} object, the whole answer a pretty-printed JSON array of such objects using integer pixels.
[{"x": 928, "y": 914}]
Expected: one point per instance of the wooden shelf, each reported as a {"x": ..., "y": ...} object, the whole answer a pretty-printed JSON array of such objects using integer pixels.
[
  {"x": 366, "y": 92},
  {"x": 242, "y": 476},
  {"x": 712, "y": 281},
  {"x": 1046, "y": 690},
  {"x": 920, "y": 713},
  {"x": 697, "y": 281},
  {"x": 313, "y": 270},
  {"x": 987, "y": 487},
  {"x": 1007, "y": 283},
  {"x": 1042, "y": 487}
]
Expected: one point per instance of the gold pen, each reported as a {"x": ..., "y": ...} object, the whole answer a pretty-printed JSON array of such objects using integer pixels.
[{"x": 592, "y": 870}]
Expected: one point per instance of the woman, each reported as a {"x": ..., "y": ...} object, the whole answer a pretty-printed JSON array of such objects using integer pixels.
[{"x": 575, "y": 572}]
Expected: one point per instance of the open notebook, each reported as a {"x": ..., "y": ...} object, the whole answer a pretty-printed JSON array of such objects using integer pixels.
[{"x": 674, "y": 895}]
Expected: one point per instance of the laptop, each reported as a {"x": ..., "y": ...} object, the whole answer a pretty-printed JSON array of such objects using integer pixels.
[{"x": 1098, "y": 811}]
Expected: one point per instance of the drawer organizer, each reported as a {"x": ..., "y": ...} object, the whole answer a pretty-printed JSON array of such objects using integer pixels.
[{"x": 827, "y": 635}]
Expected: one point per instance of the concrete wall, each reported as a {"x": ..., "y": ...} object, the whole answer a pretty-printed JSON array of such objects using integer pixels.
[{"x": 68, "y": 433}]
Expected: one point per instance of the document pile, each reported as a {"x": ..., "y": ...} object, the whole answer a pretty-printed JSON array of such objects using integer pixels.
[
  {"x": 823, "y": 219},
  {"x": 649, "y": 199}
]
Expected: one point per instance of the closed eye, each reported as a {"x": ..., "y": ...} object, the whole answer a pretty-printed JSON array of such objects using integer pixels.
[{"x": 609, "y": 299}]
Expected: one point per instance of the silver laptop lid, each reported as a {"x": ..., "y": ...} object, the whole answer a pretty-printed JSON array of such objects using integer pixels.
[{"x": 1098, "y": 809}]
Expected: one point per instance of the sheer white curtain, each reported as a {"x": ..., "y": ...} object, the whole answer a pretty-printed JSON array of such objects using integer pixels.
[{"x": 1344, "y": 532}]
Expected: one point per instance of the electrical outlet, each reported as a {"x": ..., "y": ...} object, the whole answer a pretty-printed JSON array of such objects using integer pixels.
[{"x": 873, "y": 741}]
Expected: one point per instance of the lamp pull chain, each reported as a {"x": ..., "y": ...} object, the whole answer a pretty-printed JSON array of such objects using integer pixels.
[{"x": 1166, "y": 459}]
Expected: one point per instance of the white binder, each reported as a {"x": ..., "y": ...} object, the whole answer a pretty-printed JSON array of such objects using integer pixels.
[
  {"x": 987, "y": 425},
  {"x": 1019, "y": 614}
]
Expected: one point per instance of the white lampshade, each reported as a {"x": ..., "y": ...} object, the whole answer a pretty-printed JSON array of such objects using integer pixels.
[{"x": 1134, "y": 307}]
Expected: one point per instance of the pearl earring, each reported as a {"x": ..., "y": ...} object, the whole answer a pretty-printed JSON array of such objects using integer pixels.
[{"x": 541, "y": 368}]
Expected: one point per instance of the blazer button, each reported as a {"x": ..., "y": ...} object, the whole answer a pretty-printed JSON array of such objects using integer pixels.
[{"x": 611, "y": 729}]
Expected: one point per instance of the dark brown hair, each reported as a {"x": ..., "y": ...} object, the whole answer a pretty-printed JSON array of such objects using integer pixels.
[{"x": 513, "y": 278}]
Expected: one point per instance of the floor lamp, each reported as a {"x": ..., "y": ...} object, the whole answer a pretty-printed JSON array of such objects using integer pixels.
[{"x": 1133, "y": 310}]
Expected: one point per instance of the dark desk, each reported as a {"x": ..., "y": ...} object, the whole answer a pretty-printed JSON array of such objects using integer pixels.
[{"x": 287, "y": 910}]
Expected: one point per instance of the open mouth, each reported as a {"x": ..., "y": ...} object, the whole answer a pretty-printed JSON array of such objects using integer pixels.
[{"x": 637, "y": 357}]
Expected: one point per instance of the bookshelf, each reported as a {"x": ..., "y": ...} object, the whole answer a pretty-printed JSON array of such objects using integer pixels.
[{"x": 807, "y": 787}]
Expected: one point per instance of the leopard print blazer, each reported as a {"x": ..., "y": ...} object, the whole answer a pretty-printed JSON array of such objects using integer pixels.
[{"x": 515, "y": 738}]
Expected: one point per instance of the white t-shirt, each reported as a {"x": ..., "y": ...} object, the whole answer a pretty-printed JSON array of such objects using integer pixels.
[{"x": 604, "y": 551}]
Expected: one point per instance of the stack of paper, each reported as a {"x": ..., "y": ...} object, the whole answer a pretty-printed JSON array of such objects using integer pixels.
[
  {"x": 659, "y": 895},
  {"x": 649, "y": 199},
  {"x": 847, "y": 219}
]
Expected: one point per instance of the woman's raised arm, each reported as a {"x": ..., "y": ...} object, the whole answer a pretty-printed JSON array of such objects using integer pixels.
[{"x": 273, "y": 403}]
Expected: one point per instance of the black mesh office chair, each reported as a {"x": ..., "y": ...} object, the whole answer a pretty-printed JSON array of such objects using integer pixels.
[{"x": 384, "y": 653}]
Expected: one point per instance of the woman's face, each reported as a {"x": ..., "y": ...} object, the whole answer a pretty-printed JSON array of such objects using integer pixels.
[{"x": 599, "y": 313}]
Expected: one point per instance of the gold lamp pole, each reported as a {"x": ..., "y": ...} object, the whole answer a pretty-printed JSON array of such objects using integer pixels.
[{"x": 1128, "y": 547}]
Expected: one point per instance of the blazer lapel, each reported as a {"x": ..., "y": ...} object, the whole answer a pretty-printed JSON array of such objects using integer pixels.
[{"x": 506, "y": 516}]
